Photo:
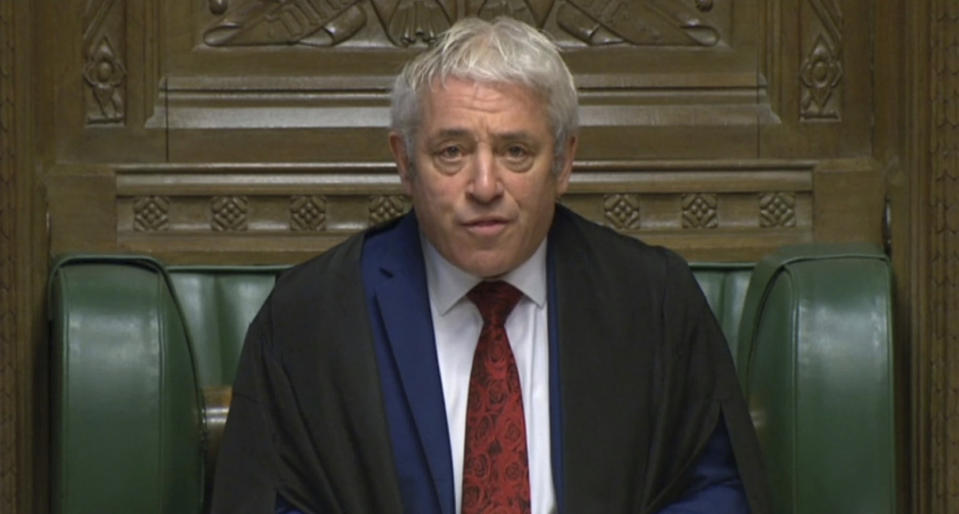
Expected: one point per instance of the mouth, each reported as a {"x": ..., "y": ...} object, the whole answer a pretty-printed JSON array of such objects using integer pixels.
[{"x": 486, "y": 227}]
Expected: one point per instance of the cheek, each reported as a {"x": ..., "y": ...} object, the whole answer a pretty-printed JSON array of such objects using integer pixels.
[{"x": 435, "y": 197}]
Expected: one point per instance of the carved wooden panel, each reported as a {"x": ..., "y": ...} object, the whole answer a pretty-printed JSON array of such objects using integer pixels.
[
  {"x": 104, "y": 71},
  {"x": 821, "y": 69},
  {"x": 323, "y": 23},
  {"x": 282, "y": 213}
]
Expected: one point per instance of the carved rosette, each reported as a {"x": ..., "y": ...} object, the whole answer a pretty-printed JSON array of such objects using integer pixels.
[
  {"x": 151, "y": 213},
  {"x": 622, "y": 211},
  {"x": 699, "y": 211},
  {"x": 228, "y": 213},
  {"x": 103, "y": 70},
  {"x": 821, "y": 70},
  {"x": 386, "y": 207},
  {"x": 777, "y": 210},
  {"x": 307, "y": 213}
]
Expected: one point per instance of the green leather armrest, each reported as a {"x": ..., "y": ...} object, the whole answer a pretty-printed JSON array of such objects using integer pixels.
[
  {"x": 126, "y": 412},
  {"x": 816, "y": 362}
]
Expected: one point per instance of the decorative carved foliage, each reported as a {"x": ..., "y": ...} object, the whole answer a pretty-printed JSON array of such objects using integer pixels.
[
  {"x": 404, "y": 23},
  {"x": 622, "y": 211},
  {"x": 307, "y": 213},
  {"x": 103, "y": 70},
  {"x": 777, "y": 210},
  {"x": 821, "y": 70},
  {"x": 229, "y": 213},
  {"x": 411, "y": 21},
  {"x": 151, "y": 213},
  {"x": 284, "y": 22},
  {"x": 387, "y": 207},
  {"x": 704, "y": 5},
  {"x": 638, "y": 22},
  {"x": 699, "y": 211}
]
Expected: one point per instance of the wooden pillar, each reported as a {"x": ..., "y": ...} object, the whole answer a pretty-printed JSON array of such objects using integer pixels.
[
  {"x": 22, "y": 274},
  {"x": 932, "y": 149}
]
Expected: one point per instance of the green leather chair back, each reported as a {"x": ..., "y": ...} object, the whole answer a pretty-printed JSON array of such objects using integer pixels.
[
  {"x": 218, "y": 305},
  {"x": 816, "y": 362},
  {"x": 724, "y": 286},
  {"x": 135, "y": 342},
  {"x": 220, "y": 301},
  {"x": 127, "y": 435}
]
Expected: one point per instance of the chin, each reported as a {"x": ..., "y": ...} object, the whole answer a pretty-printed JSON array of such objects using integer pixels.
[{"x": 484, "y": 269}]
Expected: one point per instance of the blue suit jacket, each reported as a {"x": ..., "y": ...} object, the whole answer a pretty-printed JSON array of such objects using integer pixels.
[{"x": 398, "y": 303}]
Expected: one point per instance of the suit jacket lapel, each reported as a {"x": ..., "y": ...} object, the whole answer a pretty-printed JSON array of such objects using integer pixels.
[{"x": 403, "y": 300}]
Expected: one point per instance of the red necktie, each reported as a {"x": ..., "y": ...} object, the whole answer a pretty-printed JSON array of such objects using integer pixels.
[{"x": 495, "y": 469}]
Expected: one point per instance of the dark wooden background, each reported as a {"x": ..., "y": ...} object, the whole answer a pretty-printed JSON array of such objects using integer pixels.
[{"x": 254, "y": 131}]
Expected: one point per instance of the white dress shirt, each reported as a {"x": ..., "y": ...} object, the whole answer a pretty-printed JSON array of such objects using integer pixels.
[{"x": 456, "y": 327}]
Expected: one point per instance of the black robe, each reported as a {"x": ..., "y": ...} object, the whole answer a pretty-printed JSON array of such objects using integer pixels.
[{"x": 645, "y": 375}]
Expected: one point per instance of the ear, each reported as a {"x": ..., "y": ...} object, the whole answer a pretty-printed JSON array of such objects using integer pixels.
[
  {"x": 562, "y": 179},
  {"x": 402, "y": 158}
]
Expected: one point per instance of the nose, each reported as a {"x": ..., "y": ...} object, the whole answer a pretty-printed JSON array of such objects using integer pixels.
[{"x": 485, "y": 185}]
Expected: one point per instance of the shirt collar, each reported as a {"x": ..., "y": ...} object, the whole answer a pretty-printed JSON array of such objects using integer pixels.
[{"x": 448, "y": 284}]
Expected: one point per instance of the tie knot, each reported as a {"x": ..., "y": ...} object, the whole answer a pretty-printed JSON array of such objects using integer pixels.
[{"x": 495, "y": 300}]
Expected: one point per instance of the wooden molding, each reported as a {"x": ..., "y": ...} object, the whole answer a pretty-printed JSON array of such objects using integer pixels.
[
  {"x": 10, "y": 385},
  {"x": 936, "y": 263}
]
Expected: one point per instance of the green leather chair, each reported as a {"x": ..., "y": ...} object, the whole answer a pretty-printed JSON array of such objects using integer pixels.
[{"x": 144, "y": 355}]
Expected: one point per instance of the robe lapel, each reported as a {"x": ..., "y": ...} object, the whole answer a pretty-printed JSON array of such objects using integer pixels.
[
  {"x": 403, "y": 301},
  {"x": 601, "y": 372}
]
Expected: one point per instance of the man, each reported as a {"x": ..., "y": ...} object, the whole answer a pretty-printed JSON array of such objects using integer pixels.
[{"x": 490, "y": 351}]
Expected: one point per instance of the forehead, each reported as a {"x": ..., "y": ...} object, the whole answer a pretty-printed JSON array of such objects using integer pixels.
[{"x": 457, "y": 100}]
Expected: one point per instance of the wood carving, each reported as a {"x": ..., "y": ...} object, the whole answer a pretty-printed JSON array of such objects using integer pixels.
[
  {"x": 151, "y": 213},
  {"x": 313, "y": 206},
  {"x": 533, "y": 12},
  {"x": 821, "y": 70},
  {"x": 777, "y": 210},
  {"x": 638, "y": 22},
  {"x": 286, "y": 22},
  {"x": 410, "y": 21},
  {"x": 622, "y": 211},
  {"x": 387, "y": 207},
  {"x": 9, "y": 340},
  {"x": 325, "y": 23},
  {"x": 699, "y": 211},
  {"x": 228, "y": 213},
  {"x": 307, "y": 213},
  {"x": 103, "y": 70},
  {"x": 941, "y": 329}
]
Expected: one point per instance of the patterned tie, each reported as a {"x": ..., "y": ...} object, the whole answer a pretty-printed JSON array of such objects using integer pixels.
[{"x": 495, "y": 469}]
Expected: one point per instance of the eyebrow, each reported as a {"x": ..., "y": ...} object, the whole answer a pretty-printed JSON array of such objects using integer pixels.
[
  {"x": 519, "y": 135},
  {"x": 449, "y": 133}
]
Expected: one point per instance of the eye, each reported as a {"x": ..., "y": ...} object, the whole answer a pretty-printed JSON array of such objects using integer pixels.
[
  {"x": 517, "y": 156},
  {"x": 450, "y": 153},
  {"x": 517, "y": 152}
]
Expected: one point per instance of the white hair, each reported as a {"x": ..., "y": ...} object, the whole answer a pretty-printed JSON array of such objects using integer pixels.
[{"x": 504, "y": 51}]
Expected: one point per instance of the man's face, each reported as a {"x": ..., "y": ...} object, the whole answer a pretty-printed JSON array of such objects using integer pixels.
[{"x": 483, "y": 185}]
